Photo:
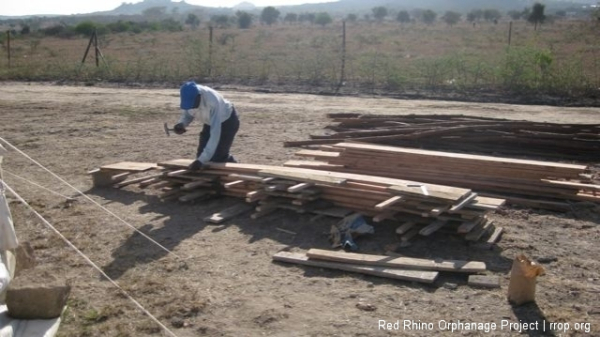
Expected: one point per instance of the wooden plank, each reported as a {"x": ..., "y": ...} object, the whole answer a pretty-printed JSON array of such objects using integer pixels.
[
  {"x": 393, "y": 200},
  {"x": 574, "y": 185},
  {"x": 336, "y": 212},
  {"x": 432, "y": 227},
  {"x": 398, "y": 262},
  {"x": 463, "y": 203},
  {"x": 299, "y": 187},
  {"x": 130, "y": 166},
  {"x": 193, "y": 196},
  {"x": 195, "y": 184},
  {"x": 399, "y": 274},
  {"x": 479, "y": 231},
  {"x": 317, "y": 154},
  {"x": 484, "y": 281},
  {"x": 405, "y": 227},
  {"x": 321, "y": 177},
  {"x": 177, "y": 173},
  {"x": 228, "y": 213},
  {"x": 466, "y": 227},
  {"x": 246, "y": 177},
  {"x": 389, "y": 215},
  {"x": 409, "y": 235},
  {"x": 424, "y": 190},
  {"x": 234, "y": 183},
  {"x": 136, "y": 180},
  {"x": 455, "y": 156}
]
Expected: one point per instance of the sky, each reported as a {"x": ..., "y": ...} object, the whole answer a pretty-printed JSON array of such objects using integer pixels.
[{"x": 67, "y": 7}]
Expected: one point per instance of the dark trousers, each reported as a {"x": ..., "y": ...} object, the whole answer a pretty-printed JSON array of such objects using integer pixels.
[{"x": 228, "y": 130}]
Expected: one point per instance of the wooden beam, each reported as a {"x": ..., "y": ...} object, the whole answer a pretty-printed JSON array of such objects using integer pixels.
[
  {"x": 391, "y": 201},
  {"x": 398, "y": 262},
  {"x": 407, "y": 275},
  {"x": 299, "y": 187}
]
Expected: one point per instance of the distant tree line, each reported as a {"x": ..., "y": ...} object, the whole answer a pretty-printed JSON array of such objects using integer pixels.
[{"x": 157, "y": 19}]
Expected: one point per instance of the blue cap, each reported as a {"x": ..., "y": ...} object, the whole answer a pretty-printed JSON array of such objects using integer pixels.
[{"x": 188, "y": 93}]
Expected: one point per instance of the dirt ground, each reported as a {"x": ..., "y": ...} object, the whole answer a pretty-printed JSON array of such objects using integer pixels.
[{"x": 220, "y": 279}]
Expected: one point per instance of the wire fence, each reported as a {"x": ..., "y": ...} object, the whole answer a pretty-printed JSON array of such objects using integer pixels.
[{"x": 564, "y": 59}]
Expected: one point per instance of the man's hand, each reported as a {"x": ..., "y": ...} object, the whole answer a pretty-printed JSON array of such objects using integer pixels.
[
  {"x": 179, "y": 128},
  {"x": 196, "y": 165}
]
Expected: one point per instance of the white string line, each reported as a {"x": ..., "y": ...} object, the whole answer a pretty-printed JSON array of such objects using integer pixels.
[
  {"x": 90, "y": 199},
  {"x": 88, "y": 259},
  {"x": 38, "y": 185}
]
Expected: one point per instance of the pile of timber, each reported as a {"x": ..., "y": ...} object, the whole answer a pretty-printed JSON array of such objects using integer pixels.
[
  {"x": 458, "y": 133},
  {"x": 401, "y": 268},
  {"x": 419, "y": 208},
  {"x": 527, "y": 182}
]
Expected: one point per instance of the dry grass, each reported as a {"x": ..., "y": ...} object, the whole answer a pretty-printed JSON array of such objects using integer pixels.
[{"x": 385, "y": 55}]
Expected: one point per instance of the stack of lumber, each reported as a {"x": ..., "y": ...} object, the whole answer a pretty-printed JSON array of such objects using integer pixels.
[
  {"x": 488, "y": 136},
  {"x": 536, "y": 183},
  {"x": 420, "y": 208},
  {"x": 401, "y": 268}
]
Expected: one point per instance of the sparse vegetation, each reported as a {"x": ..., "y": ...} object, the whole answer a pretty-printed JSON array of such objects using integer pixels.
[{"x": 561, "y": 60}]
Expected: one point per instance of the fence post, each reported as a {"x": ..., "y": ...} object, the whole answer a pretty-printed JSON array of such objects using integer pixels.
[
  {"x": 96, "y": 49},
  {"x": 509, "y": 32},
  {"x": 8, "y": 45},
  {"x": 210, "y": 47},
  {"x": 343, "y": 70}
]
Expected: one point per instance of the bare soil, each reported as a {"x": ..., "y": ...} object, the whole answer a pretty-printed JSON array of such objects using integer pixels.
[{"x": 219, "y": 280}]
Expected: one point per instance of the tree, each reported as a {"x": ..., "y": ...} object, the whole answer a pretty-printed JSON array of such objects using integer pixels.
[
  {"x": 352, "y": 17},
  {"x": 290, "y": 18},
  {"x": 85, "y": 28},
  {"x": 403, "y": 17},
  {"x": 475, "y": 15},
  {"x": 25, "y": 29},
  {"x": 451, "y": 18},
  {"x": 491, "y": 15},
  {"x": 323, "y": 19},
  {"x": 310, "y": 17},
  {"x": 269, "y": 15},
  {"x": 379, "y": 13},
  {"x": 244, "y": 19},
  {"x": 220, "y": 20},
  {"x": 192, "y": 20},
  {"x": 428, "y": 16},
  {"x": 537, "y": 15}
]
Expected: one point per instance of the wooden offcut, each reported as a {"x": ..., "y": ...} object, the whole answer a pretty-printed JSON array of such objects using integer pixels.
[
  {"x": 398, "y": 262},
  {"x": 399, "y": 274}
]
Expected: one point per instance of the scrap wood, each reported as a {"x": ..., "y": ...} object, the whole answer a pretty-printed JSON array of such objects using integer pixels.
[
  {"x": 394, "y": 273},
  {"x": 398, "y": 262},
  {"x": 484, "y": 281}
]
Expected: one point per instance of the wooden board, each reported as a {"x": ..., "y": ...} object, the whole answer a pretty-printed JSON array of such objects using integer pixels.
[
  {"x": 398, "y": 262},
  {"x": 484, "y": 281},
  {"x": 399, "y": 274},
  {"x": 130, "y": 166}
]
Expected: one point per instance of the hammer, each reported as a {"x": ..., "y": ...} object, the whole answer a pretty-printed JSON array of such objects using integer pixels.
[{"x": 167, "y": 130}]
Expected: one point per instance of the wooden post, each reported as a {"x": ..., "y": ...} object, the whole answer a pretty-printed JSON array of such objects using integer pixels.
[
  {"x": 509, "y": 32},
  {"x": 87, "y": 50},
  {"x": 343, "y": 70},
  {"x": 210, "y": 45},
  {"x": 8, "y": 45},
  {"x": 97, "y": 51}
]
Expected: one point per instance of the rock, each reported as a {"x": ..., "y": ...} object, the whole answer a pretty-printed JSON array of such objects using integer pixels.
[
  {"x": 451, "y": 286},
  {"x": 36, "y": 294},
  {"x": 24, "y": 258},
  {"x": 547, "y": 259},
  {"x": 366, "y": 306}
]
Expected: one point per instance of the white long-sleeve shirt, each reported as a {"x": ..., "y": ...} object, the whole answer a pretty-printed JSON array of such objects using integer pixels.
[{"x": 213, "y": 111}]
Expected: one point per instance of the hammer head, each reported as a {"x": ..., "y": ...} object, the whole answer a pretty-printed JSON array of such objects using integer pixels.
[{"x": 167, "y": 130}]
